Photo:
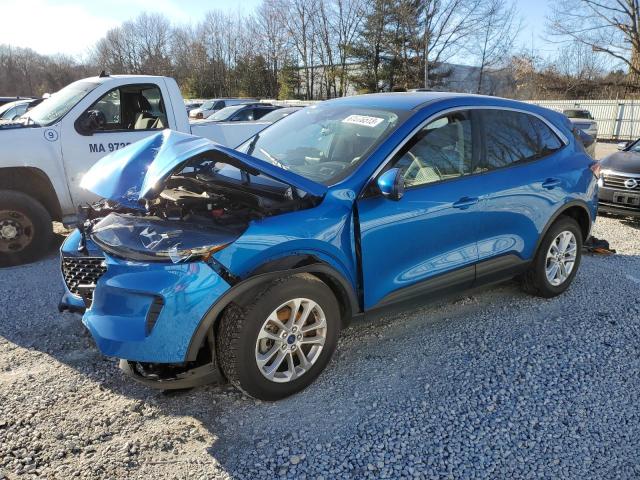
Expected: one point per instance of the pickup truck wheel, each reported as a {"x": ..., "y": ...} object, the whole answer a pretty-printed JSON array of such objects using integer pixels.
[
  {"x": 25, "y": 228},
  {"x": 279, "y": 342},
  {"x": 557, "y": 260}
]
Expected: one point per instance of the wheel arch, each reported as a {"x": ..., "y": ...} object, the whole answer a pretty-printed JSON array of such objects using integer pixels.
[
  {"x": 290, "y": 265},
  {"x": 576, "y": 209},
  {"x": 35, "y": 183}
]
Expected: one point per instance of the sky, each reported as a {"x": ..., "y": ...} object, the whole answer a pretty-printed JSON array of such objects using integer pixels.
[{"x": 73, "y": 26}]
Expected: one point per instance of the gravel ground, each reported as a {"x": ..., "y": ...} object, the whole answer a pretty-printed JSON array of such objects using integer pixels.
[{"x": 491, "y": 384}]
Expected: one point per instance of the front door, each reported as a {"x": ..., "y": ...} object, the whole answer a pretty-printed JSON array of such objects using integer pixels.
[
  {"x": 122, "y": 116},
  {"x": 427, "y": 239}
]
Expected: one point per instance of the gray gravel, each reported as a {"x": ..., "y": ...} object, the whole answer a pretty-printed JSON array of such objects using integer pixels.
[{"x": 491, "y": 384}]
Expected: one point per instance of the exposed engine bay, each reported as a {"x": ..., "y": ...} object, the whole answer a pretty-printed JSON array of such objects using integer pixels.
[{"x": 203, "y": 207}]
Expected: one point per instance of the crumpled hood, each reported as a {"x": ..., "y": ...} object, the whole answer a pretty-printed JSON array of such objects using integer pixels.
[
  {"x": 627, "y": 162},
  {"x": 139, "y": 170}
]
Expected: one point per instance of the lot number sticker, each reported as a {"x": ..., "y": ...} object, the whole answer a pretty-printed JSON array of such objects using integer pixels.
[{"x": 363, "y": 120}]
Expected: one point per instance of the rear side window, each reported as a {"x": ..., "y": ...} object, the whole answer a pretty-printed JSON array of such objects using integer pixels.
[{"x": 515, "y": 137}]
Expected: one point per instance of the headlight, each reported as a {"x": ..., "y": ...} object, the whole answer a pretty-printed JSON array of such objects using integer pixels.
[{"x": 156, "y": 239}]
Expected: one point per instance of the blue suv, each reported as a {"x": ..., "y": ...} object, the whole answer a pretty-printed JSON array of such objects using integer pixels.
[{"x": 202, "y": 262}]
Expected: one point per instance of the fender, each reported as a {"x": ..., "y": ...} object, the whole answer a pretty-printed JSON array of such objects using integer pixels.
[{"x": 284, "y": 266}]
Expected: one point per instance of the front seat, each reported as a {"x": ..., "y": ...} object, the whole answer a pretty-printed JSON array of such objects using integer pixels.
[{"x": 145, "y": 120}]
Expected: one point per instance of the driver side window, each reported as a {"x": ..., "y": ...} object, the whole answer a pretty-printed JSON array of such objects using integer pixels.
[
  {"x": 130, "y": 107},
  {"x": 440, "y": 151}
]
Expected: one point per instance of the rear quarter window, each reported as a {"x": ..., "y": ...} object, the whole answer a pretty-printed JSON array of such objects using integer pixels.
[{"x": 515, "y": 137}]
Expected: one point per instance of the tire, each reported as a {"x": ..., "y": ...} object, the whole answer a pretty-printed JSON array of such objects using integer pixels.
[
  {"x": 238, "y": 345},
  {"x": 25, "y": 229},
  {"x": 535, "y": 280}
]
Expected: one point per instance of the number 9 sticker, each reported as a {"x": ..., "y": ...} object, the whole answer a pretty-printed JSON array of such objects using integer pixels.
[{"x": 51, "y": 135}]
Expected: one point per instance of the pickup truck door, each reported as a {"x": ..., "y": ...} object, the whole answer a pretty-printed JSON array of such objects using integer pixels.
[{"x": 115, "y": 117}]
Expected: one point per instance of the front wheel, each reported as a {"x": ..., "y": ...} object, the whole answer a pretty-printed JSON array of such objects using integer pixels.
[
  {"x": 279, "y": 342},
  {"x": 25, "y": 228},
  {"x": 557, "y": 260}
]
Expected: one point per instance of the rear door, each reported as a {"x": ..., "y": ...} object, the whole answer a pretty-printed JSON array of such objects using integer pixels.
[
  {"x": 524, "y": 165},
  {"x": 426, "y": 240}
]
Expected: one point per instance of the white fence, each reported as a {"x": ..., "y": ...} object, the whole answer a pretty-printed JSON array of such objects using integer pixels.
[{"x": 617, "y": 119}]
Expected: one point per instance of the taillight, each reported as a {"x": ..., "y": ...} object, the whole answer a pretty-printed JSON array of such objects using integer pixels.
[{"x": 596, "y": 168}]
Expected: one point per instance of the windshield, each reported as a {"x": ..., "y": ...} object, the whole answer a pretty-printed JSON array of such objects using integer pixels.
[
  {"x": 225, "y": 113},
  {"x": 324, "y": 142},
  {"x": 578, "y": 114},
  {"x": 58, "y": 104}
]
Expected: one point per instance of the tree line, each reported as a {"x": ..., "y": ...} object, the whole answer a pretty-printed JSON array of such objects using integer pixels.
[{"x": 315, "y": 49}]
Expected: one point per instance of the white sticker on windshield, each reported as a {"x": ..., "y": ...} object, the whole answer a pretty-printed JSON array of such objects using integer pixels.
[{"x": 363, "y": 120}]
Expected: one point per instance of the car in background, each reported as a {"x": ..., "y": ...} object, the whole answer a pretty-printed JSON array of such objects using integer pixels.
[
  {"x": 14, "y": 110},
  {"x": 209, "y": 107},
  {"x": 191, "y": 105},
  {"x": 583, "y": 120},
  {"x": 619, "y": 182},
  {"x": 243, "y": 113},
  {"x": 4, "y": 100},
  {"x": 279, "y": 114},
  {"x": 210, "y": 262}
]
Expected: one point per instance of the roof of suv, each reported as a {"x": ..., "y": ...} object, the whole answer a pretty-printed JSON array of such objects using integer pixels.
[{"x": 398, "y": 100}]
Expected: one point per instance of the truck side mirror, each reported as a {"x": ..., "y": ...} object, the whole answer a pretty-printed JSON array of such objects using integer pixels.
[
  {"x": 391, "y": 184},
  {"x": 89, "y": 122}
]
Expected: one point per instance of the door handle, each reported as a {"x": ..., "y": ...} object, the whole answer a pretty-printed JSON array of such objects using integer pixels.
[
  {"x": 465, "y": 202},
  {"x": 550, "y": 183}
]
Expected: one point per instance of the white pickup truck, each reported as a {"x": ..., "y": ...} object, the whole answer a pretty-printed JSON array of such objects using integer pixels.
[{"x": 44, "y": 156}]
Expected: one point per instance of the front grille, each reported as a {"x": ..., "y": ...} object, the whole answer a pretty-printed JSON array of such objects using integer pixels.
[
  {"x": 618, "y": 181},
  {"x": 82, "y": 273}
]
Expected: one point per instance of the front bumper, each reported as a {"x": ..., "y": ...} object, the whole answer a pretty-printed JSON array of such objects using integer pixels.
[{"x": 145, "y": 312}]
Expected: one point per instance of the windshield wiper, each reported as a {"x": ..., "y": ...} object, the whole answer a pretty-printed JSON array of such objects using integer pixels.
[
  {"x": 252, "y": 145},
  {"x": 30, "y": 121},
  {"x": 273, "y": 159}
]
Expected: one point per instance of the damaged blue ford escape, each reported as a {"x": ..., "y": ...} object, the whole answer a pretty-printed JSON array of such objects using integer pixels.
[{"x": 203, "y": 262}]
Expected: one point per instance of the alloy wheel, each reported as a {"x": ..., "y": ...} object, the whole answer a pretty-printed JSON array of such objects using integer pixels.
[
  {"x": 561, "y": 258},
  {"x": 290, "y": 340}
]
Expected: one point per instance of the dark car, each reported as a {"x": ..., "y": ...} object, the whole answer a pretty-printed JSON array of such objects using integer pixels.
[
  {"x": 620, "y": 181},
  {"x": 242, "y": 113}
]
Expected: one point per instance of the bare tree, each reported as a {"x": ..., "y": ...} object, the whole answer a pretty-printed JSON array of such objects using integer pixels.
[
  {"x": 495, "y": 36},
  {"x": 447, "y": 25},
  {"x": 607, "y": 26},
  {"x": 270, "y": 28},
  {"x": 348, "y": 17},
  {"x": 297, "y": 16}
]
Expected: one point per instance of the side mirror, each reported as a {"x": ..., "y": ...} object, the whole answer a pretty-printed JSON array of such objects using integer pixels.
[
  {"x": 90, "y": 121},
  {"x": 391, "y": 184},
  {"x": 622, "y": 145}
]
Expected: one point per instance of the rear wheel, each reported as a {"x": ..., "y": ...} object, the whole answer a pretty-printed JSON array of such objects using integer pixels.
[
  {"x": 279, "y": 342},
  {"x": 557, "y": 260},
  {"x": 25, "y": 228}
]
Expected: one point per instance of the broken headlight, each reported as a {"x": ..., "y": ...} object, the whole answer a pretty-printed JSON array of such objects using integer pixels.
[{"x": 155, "y": 239}]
